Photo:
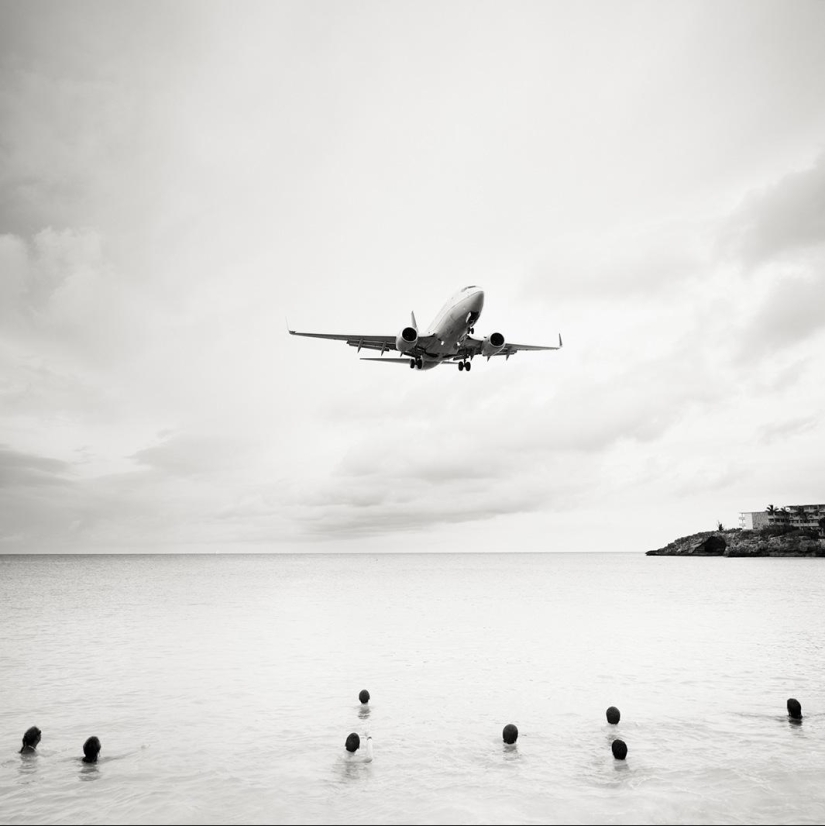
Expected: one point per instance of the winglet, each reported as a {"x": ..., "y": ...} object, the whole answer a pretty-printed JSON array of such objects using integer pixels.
[
  {"x": 414, "y": 322},
  {"x": 560, "y": 344},
  {"x": 288, "y": 329}
]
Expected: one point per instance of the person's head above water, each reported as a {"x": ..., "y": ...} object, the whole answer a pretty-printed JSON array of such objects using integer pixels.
[
  {"x": 353, "y": 743},
  {"x": 794, "y": 709},
  {"x": 619, "y": 748},
  {"x": 91, "y": 748},
  {"x": 364, "y": 696},
  {"x": 509, "y": 734},
  {"x": 30, "y": 739},
  {"x": 613, "y": 715}
]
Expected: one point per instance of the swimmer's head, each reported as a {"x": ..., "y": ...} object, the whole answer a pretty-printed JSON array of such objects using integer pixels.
[
  {"x": 619, "y": 748},
  {"x": 353, "y": 743},
  {"x": 364, "y": 696},
  {"x": 794, "y": 709},
  {"x": 91, "y": 748},
  {"x": 613, "y": 715},
  {"x": 510, "y": 734},
  {"x": 31, "y": 738}
]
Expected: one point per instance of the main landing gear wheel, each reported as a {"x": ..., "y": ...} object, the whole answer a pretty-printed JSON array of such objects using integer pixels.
[
  {"x": 464, "y": 365},
  {"x": 412, "y": 364},
  {"x": 419, "y": 363},
  {"x": 461, "y": 365}
]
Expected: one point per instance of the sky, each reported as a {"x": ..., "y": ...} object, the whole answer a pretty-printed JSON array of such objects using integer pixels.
[{"x": 181, "y": 181}]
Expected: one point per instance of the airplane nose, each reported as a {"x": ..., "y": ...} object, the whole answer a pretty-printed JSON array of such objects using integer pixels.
[{"x": 478, "y": 301}]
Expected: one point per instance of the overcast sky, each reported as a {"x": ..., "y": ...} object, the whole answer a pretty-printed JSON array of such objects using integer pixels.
[{"x": 178, "y": 179}]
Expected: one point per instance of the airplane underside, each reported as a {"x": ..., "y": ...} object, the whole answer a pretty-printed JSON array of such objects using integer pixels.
[{"x": 427, "y": 363}]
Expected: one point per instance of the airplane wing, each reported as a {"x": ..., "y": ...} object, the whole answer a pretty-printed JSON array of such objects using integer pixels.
[
  {"x": 382, "y": 343},
  {"x": 388, "y": 360},
  {"x": 473, "y": 347}
]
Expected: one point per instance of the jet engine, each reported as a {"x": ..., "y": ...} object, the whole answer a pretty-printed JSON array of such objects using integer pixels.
[
  {"x": 492, "y": 344},
  {"x": 406, "y": 339}
]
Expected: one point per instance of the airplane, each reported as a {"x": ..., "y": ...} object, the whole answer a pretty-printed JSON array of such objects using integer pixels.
[{"x": 449, "y": 339}]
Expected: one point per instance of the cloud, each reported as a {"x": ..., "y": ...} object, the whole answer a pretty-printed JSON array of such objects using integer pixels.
[
  {"x": 784, "y": 430},
  {"x": 13, "y": 282},
  {"x": 71, "y": 328},
  {"x": 790, "y": 314},
  {"x": 50, "y": 152},
  {"x": 18, "y": 469},
  {"x": 38, "y": 500},
  {"x": 780, "y": 220},
  {"x": 63, "y": 298},
  {"x": 401, "y": 505},
  {"x": 188, "y": 454},
  {"x": 503, "y": 447},
  {"x": 621, "y": 263},
  {"x": 33, "y": 272}
]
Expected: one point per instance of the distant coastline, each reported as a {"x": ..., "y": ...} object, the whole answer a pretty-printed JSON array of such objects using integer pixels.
[{"x": 771, "y": 541}]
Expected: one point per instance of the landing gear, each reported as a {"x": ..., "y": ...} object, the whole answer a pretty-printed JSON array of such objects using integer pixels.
[
  {"x": 471, "y": 330},
  {"x": 461, "y": 365},
  {"x": 419, "y": 363},
  {"x": 412, "y": 364},
  {"x": 464, "y": 365}
]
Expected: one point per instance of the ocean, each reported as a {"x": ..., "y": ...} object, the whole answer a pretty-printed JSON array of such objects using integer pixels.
[{"x": 222, "y": 688}]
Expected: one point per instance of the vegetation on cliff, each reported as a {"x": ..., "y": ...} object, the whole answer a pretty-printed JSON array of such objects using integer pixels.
[{"x": 769, "y": 541}]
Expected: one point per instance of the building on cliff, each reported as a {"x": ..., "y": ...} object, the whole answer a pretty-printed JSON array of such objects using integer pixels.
[{"x": 792, "y": 516}]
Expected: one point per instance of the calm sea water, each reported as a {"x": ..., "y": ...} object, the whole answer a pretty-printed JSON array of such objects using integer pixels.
[{"x": 223, "y": 687}]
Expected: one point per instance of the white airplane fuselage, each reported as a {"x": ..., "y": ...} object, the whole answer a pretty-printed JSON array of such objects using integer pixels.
[{"x": 452, "y": 325}]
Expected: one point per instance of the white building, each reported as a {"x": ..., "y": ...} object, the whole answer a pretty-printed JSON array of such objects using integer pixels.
[{"x": 794, "y": 516}]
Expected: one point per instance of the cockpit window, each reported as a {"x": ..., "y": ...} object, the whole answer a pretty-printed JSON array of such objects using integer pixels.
[{"x": 466, "y": 289}]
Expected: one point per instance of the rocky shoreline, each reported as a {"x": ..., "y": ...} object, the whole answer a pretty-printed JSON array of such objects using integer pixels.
[{"x": 736, "y": 542}]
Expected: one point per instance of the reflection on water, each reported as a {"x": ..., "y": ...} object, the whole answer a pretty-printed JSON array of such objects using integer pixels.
[
  {"x": 89, "y": 771},
  {"x": 27, "y": 767},
  {"x": 622, "y": 770},
  {"x": 511, "y": 751},
  {"x": 350, "y": 770}
]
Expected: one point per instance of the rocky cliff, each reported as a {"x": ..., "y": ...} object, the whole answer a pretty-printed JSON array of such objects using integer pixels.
[{"x": 766, "y": 542}]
